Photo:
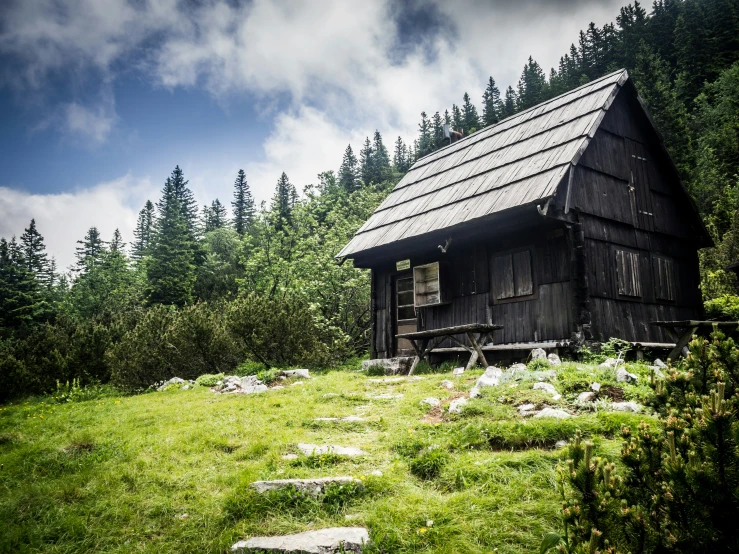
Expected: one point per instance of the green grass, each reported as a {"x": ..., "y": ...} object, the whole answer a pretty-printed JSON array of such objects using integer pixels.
[{"x": 118, "y": 474}]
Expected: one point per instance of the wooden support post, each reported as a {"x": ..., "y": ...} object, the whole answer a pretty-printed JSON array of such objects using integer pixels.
[
  {"x": 476, "y": 347},
  {"x": 472, "y": 361},
  {"x": 681, "y": 343},
  {"x": 639, "y": 354}
]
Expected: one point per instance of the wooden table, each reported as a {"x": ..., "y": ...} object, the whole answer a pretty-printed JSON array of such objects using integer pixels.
[
  {"x": 682, "y": 331},
  {"x": 424, "y": 342}
]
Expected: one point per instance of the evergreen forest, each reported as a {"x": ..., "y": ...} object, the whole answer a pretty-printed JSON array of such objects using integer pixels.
[{"x": 201, "y": 289}]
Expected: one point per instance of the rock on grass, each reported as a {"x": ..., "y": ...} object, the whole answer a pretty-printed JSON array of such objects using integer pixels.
[{"x": 323, "y": 541}]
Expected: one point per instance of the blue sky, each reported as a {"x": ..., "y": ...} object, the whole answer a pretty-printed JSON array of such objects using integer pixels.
[{"x": 100, "y": 99}]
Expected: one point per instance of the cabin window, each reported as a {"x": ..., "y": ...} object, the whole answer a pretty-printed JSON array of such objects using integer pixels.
[
  {"x": 405, "y": 299},
  {"x": 512, "y": 276},
  {"x": 664, "y": 273},
  {"x": 627, "y": 271}
]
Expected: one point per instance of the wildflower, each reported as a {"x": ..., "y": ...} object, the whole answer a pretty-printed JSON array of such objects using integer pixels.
[{"x": 421, "y": 530}]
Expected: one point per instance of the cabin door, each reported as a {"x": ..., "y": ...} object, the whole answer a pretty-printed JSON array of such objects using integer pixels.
[
  {"x": 404, "y": 313},
  {"x": 640, "y": 166}
]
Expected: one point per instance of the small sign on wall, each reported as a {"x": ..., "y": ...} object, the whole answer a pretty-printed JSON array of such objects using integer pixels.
[{"x": 402, "y": 265}]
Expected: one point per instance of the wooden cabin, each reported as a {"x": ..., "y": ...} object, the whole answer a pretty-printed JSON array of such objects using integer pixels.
[{"x": 564, "y": 223}]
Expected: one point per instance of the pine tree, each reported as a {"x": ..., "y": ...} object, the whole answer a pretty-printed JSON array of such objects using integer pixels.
[
  {"x": 214, "y": 216},
  {"x": 532, "y": 86},
  {"x": 89, "y": 250},
  {"x": 425, "y": 136},
  {"x": 491, "y": 104},
  {"x": 400, "y": 153},
  {"x": 144, "y": 231},
  {"x": 116, "y": 244},
  {"x": 20, "y": 300},
  {"x": 457, "y": 123},
  {"x": 381, "y": 170},
  {"x": 447, "y": 118},
  {"x": 470, "y": 119},
  {"x": 509, "y": 105},
  {"x": 187, "y": 200},
  {"x": 366, "y": 170},
  {"x": 35, "y": 256},
  {"x": 284, "y": 201},
  {"x": 243, "y": 205},
  {"x": 171, "y": 270},
  {"x": 437, "y": 131},
  {"x": 348, "y": 172}
]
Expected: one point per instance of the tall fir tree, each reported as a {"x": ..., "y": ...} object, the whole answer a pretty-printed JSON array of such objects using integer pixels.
[
  {"x": 89, "y": 251},
  {"x": 144, "y": 232},
  {"x": 187, "y": 200},
  {"x": 470, "y": 119},
  {"x": 532, "y": 86},
  {"x": 242, "y": 204},
  {"x": 366, "y": 171},
  {"x": 349, "y": 171},
  {"x": 437, "y": 130},
  {"x": 457, "y": 122},
  {"x": 381, "y": 170},
  {"x": 284, "y": 201},
  {"x": 215, "y": 216},
  {"x": 116, "y": 244},
  {"x": 491, "y": 104},
  {"x": 20, "y": 301},
  {"x": 400, "y": 153},
  {"x": 35, "y": 256},
  {"x": 425, "y": 136},
  {"x": 509, "y": 105},
  {"x": 171, "y": 269}
]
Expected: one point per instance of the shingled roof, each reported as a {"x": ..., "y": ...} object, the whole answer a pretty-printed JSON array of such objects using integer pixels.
[{"x": 518, "y": 161}]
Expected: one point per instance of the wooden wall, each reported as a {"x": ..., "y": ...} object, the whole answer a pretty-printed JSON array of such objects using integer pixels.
[
  {"x": 628, "y": 198},
  {"x": 546, "y": 316}
]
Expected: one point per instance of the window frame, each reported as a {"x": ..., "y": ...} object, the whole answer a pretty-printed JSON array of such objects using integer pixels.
[
  {"x": 640, "y": 297},
  {"x": 530, "y": 248},
  {"x": 656, "y": 257}
]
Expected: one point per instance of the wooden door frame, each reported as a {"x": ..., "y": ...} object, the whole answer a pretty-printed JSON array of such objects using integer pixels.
[{"x": 394, "y": 305}]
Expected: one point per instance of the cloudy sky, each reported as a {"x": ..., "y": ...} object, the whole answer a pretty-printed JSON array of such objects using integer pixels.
[{"x": 100, "y": 99}]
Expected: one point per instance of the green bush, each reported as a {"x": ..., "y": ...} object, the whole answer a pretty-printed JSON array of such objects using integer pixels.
[
  {"x": 249, "y": 367},
  {"x": 723, "y": 307},
  {"x": 279, "y": 331},
  {"x": 209, "y": 380},
  {"x": 538, "y": 364}
]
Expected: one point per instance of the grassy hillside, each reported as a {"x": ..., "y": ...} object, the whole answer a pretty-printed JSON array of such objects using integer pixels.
[{"x": 170, "y": 471}]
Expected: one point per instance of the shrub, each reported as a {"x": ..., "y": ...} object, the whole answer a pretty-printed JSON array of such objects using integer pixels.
[
  {"x": 209, "y": 380},
  {"x": 278, "y": 332},
  {"x": 249, "y": 367},
  {"x": 538, "y": 364},
  {"x": 678, "y": 490},
  {"x": 724, "y": 307}
]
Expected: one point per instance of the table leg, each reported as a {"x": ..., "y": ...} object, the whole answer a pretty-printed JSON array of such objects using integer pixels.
[
  {"x": 420, "y": 353},
  {"x": 681, "y": 343},
  {"x": 473, "y": 360},
  {"x": 476, "y": 346}
]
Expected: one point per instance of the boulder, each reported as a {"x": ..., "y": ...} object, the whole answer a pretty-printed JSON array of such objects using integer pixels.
[
  {"x": 657, "y": 372},
  {"x": 455, "y": 407},
  {"x": 323, "y": 541},
  {"x": 475, "y": 392},
  {"x": 491, "y": 378},
  {"x": 554, "y": 359},
  {"x": 626, "y": 407},
  {"x": 587, "y": 396},
  {"x": 612, "y": 362},
  {"x": 538, "y": 353},
  {"x": 302, "y": 373},
  {"x": 313, "y": 449},
  {"x": 548, "y": 387},
  {"x": 560, "y": 444},
  {"x": 172, "y": 381},
  {"x": 515, "y": 368},
  {"x": 458, "y": 371},
  {"x": 623, "y": 376},
  {"x": 595, "y": 387},
  {"x": 552, "y": 412},
  {"x": 526, "y": 409},
  {"x": 447, "y": 384},
  {"x": 313, "y": 487},
  {"x": 659, "y": 363},
  {"x": 431, "y": 401},
  {"x": 390, "y": 366}
]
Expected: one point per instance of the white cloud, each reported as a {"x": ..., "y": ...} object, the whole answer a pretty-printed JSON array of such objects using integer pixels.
[
  {"x": 92, "y": 124},
  {"x": 65, "y": 218}
]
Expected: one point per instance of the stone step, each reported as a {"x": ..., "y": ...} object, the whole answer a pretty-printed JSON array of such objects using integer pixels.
[
  {"x": 314, "y": 486},
  {"x": 347, "y": 419},
  {"x": 350, "y": 451},
  {"x": 324, "y": 541}
]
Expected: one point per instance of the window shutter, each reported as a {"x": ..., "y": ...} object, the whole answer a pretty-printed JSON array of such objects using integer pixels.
[
  {"x": 664, "y": 278},
  {"x": 523, "y": 284},
  {"x": 503, "y": 277},
  {"x": 627, "y": 269}
]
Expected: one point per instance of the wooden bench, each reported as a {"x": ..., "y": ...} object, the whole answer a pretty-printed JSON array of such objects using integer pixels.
[
  {"x": 682, "y": 331},
  {"x": 424, "y": 342}
]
